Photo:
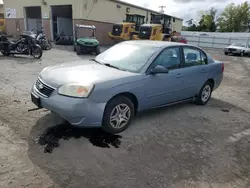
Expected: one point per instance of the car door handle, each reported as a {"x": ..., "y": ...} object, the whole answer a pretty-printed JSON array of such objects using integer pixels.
[
  {"x": 203, "y": 70},
  {"x": 178, "y": 75}
]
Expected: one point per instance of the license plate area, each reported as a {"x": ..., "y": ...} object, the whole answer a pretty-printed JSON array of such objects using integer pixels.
[{"x": 36, "y": 100}]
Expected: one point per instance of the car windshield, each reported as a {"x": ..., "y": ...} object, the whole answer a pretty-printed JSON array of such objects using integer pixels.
[
  {"x": 84, "y": 32},
  {"x": 128, "y": 57},
  {"x": 238, "y": 44}
]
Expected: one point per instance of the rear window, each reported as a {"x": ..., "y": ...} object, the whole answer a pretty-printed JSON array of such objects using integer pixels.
[
  {"x": 145, "y": 30},
  {"x": 209, "y": 59},
  {"x": 238, "y": 44}
]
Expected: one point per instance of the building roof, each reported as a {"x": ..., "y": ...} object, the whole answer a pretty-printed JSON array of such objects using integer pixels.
[{"x": 140, "y": 7}]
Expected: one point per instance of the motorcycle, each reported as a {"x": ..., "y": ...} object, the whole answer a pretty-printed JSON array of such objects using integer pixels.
[
  {"x": 25, "y": 45},
  {"x": 42, "y": 39}
]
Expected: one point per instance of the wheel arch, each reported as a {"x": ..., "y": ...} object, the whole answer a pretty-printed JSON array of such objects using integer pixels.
[
  {"x": 211, "y": 80},
  {"x": 128, "y": 95}
]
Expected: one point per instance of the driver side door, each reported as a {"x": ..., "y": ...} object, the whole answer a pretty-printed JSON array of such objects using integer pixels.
[{"x": 163, "y": 88}]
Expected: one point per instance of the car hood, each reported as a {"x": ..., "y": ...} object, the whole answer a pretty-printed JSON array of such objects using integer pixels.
[
  {"x": 83, "y": 72},
  {"x": 236, "y": 47}
]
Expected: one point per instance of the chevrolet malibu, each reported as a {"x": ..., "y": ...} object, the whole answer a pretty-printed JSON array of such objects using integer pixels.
[{"x": 129, "y": 77}]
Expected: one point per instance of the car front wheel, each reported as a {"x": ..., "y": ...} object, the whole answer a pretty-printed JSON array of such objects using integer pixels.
[
  {"x": 78, "y": 50},
  {"x": 98, "y": 50},
  {"x": 204, "y": 94},
  {"x": 118, "y": 115}
]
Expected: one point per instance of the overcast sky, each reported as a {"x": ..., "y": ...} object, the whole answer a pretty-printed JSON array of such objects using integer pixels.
[{"x": 185, "y": 9}]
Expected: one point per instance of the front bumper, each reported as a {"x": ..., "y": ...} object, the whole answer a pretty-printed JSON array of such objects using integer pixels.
[
  {"x": 87, "y": 48},
  {"x": 232, "y": 52},
  {"x": 81, "y": 112}
]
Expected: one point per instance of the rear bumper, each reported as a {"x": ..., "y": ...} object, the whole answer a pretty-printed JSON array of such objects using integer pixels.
[{"x": 217, "y": 80}]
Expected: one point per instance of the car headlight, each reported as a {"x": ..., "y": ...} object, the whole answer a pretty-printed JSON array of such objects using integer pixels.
[{"x": 75, "y": 90}]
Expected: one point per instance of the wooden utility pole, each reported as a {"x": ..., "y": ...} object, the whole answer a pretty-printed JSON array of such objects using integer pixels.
[{"x": 162, "y": 8}]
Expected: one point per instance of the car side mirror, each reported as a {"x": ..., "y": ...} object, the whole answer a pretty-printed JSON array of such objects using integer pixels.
[{"x": 159, "y": 69}]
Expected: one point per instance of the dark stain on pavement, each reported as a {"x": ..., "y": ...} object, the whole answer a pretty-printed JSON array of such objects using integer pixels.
[
  {"x": 225, "y": 110},
  {"x": 99, "y": 138}
]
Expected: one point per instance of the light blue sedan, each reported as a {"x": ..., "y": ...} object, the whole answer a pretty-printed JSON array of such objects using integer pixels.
[{"x": 129, "y": 77}]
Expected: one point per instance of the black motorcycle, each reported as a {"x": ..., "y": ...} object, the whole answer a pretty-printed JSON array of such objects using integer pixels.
[
  {"x": 25, "y": 45},
  {"x": 42, "y": 40}
]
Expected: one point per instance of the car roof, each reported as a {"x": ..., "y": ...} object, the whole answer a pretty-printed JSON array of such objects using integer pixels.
[
  {"x": 158, "y": 44},
  {"x": 86, "y": 26}
]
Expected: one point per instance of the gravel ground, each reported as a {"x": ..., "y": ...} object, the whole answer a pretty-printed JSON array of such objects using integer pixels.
[{"x": 182, "y": 146}]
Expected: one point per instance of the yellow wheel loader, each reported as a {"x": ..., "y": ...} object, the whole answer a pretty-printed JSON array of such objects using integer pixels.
[
  {"x": 127, "y": 29},
  {"x": 160, "y": 30}
]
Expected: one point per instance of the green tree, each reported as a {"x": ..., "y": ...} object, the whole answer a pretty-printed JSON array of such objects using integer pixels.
[
  {"x": 208, "y": 21},
  {"x": 235, "y": 18},
  {"x": 191, "y": 25},
  {"x": 190, "y": 22}
]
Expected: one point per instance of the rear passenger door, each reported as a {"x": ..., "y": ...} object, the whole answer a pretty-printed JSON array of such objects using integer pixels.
[{"x": 194, "y": 71}]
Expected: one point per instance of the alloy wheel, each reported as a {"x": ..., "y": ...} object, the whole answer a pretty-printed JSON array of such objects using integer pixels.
[
  {"x": 120, "y": 116},
  {"x": 206, "y": 92}
]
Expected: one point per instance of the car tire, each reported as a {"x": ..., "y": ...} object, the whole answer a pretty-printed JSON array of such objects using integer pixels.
[
  {"x": 242, "y": 53},
  {"x": 204, "y": 93},
  {"x": 5, "y": 53},
  {"x": 120, "y": 108},
  {"x": 78, "y": 50},
  {"x": 48, "y": 46},
  {"x": 226, "y": 53},
  {"x": 97, "y": 51},
  {"x": 37, "y": 52}
]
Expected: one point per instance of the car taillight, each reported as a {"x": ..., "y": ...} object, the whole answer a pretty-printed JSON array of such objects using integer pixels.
[
  {"x": 183, "y": 41},
  {"x": 222, "y": 67}
]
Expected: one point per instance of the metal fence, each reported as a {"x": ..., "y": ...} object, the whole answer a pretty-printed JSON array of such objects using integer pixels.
[{"x": 215, "y": 42}]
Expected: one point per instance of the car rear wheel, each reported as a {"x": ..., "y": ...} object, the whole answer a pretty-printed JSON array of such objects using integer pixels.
[
  {"x": 226, "y": 53},
  {"x": 118, "y": 115},
  {"x": 204, "y": 94},
  {"x": 242, "y": 53}
]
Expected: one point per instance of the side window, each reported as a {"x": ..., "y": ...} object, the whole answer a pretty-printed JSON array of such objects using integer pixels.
[
  {"x": 194, "y": 57},
  {"x": 169, "y": 58},
  {"x": 203, "y": 58}
]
